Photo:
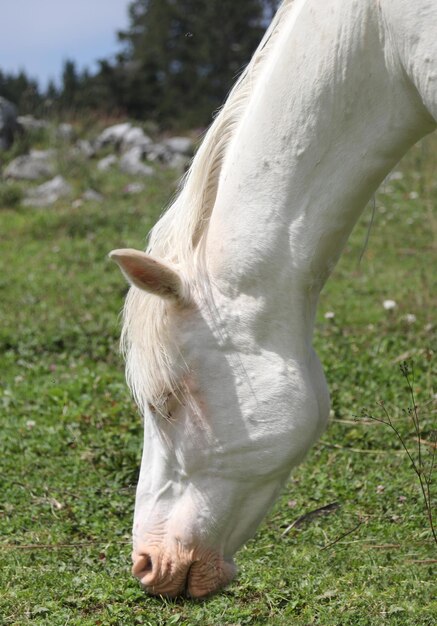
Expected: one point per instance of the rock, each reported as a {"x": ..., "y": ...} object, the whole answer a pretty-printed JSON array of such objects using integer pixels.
[
  {"x": 135, "y": 137},
  {"x": 47, "y": 193},
  {"x": 134, "y": 188},
  {"x": 179, "y": 162},
  {"x": 113, "y": 135},
  {"x": 42, "y": 154},
  {"x": 107, "y": 162},
  {"x": 8, "y": 123},
  {"x": 159, "y": 152},
  {"x": 174, "y": 152},
  {"x": 123, "y": 137},
  {"x": 130, "y": 163},
  {"x": 180, "y": 145},
  {"x": 92, "y": 196},
  {"x": 84, "y": 148},
  {"x": 29, "y": 123},
  {"x": 394, "y": 175},
  {"x": 31, "y": 166},
  {"x": 65, "y": 132}
]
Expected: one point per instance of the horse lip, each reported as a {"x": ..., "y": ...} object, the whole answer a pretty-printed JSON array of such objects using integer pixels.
[
  {"x": 228, "y": 571},
  {"x": 186, "y": 593}
]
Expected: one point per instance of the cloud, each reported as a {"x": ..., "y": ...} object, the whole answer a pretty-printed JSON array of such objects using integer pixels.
[{"x": 39, "y": 35}]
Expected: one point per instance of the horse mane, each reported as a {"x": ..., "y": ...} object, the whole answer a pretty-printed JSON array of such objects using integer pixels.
[{"x": 146, "y": 343}]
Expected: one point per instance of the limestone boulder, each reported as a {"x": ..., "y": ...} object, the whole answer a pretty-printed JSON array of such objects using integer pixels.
[
  {"x": 135, "y": 137},
  {"x": 159, "y": 152},
  {"x": 65, "y": 132},
  {"x": 37, "y": 164},
  {"x": 30, "y": 123},
  {"x": 48, "y": 193},
  {"x": 84, "y": 148},
  {"x": 131, "y": 163},
  {"x": 113, "y": 136},
  {"x": 180, "y": 145},
  {"x": 91, "y": 195},
  {"x": 107, "y": 162}
]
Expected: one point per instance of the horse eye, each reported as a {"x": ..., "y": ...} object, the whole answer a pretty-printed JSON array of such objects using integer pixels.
[
  {"x": 171, "y": 404},
  {"x": 165, "y": 407}
]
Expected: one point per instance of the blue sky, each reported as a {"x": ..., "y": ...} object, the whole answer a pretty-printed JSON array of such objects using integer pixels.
[{"x": 38, "y": 35}]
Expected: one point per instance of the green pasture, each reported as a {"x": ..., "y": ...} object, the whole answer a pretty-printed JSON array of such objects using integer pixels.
[{"x": 70, "y": 437}]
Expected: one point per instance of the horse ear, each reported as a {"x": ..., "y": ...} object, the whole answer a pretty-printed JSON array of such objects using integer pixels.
[{"x": 151, "y": 275}]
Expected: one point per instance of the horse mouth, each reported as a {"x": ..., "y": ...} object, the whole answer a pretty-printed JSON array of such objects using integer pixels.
[{"x": 207, "y": 578}]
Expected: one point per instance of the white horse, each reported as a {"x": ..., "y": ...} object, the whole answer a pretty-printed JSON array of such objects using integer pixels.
[{"x": 218, "y": 323}]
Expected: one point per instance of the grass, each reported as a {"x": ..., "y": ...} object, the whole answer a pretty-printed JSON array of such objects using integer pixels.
[{"x": 70, "y": 439}]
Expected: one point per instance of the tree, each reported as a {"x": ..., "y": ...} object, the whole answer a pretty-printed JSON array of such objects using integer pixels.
[
  {"x": 182, "y": 56},
  {"x": 178, "y": 62},
  {"x": 51, "y": 91},
  {"x": 70, "y": 85},
  {"x": 21, "y": 90}
]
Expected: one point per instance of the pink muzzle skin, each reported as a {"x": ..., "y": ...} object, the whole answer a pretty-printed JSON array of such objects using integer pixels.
[{"x": 193, "y": 573}]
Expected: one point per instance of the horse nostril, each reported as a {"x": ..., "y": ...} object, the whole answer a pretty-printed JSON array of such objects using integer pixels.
[
  {"x": 142, "y": 566},
  {"x": 148, "y": 563}
]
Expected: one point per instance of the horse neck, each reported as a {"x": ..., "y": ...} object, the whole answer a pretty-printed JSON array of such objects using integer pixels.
[{"x": 329, "y": 116}]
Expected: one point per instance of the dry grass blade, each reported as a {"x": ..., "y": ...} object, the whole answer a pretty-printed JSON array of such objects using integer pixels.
[
  {"x": 308, "y": 517},
  {"x": 340, "y": 537}
]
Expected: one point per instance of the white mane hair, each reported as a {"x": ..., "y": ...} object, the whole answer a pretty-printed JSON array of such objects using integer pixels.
[{"x": 146, "y": 340}]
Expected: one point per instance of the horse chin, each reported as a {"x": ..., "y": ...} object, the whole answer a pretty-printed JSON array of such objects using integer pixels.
[
  {"x": 207, "y": 577},
  {"x": 194, "y": 573}
]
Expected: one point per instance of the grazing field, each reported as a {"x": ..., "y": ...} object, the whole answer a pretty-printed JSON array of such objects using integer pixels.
[{"x": 70, "y": 438}]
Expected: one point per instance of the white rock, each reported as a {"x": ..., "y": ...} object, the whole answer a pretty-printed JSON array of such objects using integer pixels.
[
  {"x": 130, "y": 163},
  {"x": 396, "y": 175},
  {"x": 180, "y": 145},
  {"x": 31, "y": 166},
  {"x": 178, "y": 161},
  {"x": 65, "y": 132},
  {"x": 113, "y": 135},
  {"x": 107, "y": 162},
  {"x": 92, "y": 196},
  {"x": 42, "y": 154},
  {"x": 29, "y": 123},
  {"x": 47, "y": 193},
  {"x": 135, "y": 137},
  {"x": 84, "y": 147},
  {"x": 159, "y": 152}
]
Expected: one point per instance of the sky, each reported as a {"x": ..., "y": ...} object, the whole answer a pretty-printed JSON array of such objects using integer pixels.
[{"x": 39, "y": 35}]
